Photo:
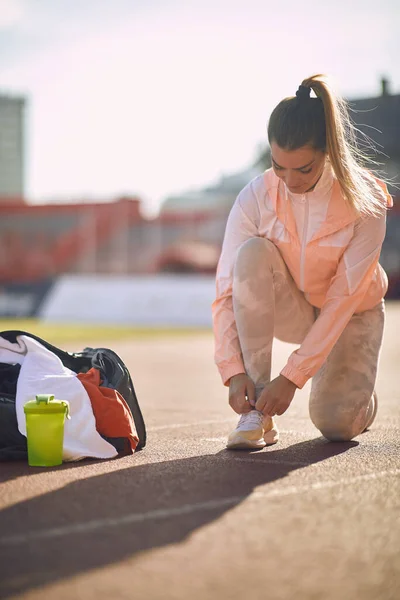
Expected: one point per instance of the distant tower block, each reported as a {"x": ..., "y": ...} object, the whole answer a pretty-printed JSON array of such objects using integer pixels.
[{"x": 12, "y": 142}]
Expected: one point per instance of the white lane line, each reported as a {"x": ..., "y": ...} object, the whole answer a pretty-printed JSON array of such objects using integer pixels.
[
  {"x": 195, "y": 424},
  {"x": 215, "y": 422},
  {"x": 310, "y": 433},
  {"x": 186, "y": 509},
  {"x": 297, "y": 463},
  {"x": 222, "y": 439}
]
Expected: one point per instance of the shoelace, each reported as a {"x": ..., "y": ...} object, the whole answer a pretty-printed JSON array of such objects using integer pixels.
[{"x": 252, "y": 418}]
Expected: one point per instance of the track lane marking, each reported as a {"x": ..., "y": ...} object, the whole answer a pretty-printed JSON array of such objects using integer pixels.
[{"x": 215, "y": 422}]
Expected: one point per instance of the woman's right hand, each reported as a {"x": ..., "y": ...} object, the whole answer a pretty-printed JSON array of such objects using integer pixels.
[{"x": 240, "y": 387}]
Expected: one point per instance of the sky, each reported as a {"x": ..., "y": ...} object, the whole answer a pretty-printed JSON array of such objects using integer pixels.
[{"x": 154, "y": 97}]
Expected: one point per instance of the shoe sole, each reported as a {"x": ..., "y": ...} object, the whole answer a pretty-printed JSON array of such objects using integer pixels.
[{"x": 241, "y": 443}]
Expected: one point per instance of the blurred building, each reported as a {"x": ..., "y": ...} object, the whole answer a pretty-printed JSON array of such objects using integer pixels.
[
  {"x": 41, "y": 242},
  {"x": 378, "y": 121},
  {"x": 12, "y": 143}
]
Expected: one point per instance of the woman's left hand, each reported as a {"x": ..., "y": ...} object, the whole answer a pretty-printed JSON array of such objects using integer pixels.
[{"x": 276, "y": 397}]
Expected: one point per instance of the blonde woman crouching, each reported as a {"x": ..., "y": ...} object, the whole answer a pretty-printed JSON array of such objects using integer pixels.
[{"x": 300, "y": 263}]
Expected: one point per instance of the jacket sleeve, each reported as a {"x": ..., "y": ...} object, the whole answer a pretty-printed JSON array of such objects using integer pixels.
[
  {"x": 356, "y": 270},
  {"x": 241, "y": 226}
]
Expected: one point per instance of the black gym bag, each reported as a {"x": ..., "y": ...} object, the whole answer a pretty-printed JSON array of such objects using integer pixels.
[{"x": 13, "y": 444}]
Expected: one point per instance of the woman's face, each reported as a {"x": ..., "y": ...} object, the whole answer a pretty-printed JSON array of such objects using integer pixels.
[{"x": 300, "y": 169}]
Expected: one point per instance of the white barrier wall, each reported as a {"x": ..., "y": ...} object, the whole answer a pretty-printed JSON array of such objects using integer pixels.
[{"x": 160, "y": 300}]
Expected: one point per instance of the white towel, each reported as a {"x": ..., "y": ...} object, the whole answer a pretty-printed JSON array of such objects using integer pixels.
[{"x": 42, "y": 372}]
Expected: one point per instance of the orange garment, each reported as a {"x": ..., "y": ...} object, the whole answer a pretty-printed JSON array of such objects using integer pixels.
[
  {"x": 112, "y": 414},
  {"x": 336, "y": 268}
]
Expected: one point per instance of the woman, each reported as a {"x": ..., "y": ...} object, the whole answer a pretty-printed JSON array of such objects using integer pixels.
[{"x": 300, "y": 262}]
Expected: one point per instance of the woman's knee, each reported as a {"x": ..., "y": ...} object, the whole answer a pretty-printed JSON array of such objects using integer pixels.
[
  {"x": 253, "y": 252},
  {"x": 339, "y": 423}
]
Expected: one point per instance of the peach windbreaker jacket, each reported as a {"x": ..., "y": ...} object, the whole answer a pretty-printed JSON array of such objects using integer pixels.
[{"x": 337, "y": 269}]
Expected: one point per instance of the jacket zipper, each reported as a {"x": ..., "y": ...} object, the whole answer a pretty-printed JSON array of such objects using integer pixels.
[{"x": 303, "y": 244}]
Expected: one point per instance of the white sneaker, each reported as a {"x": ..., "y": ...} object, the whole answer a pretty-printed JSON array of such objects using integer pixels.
[
  {"x": 271, "y": 432},
  {"x": 253, "y": 431}
]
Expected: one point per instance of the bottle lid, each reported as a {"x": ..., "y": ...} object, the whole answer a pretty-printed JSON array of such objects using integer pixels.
[{"x": 45, "y": 403}]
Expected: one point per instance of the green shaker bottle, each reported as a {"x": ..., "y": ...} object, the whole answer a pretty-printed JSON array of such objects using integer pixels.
[{"x": 45, "y": 430}]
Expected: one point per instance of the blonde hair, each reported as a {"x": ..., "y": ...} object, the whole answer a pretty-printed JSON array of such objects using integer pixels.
[{"x": 324, "y": 123}]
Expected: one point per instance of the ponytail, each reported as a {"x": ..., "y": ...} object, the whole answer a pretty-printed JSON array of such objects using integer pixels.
[{"x": 324, "y": 123}]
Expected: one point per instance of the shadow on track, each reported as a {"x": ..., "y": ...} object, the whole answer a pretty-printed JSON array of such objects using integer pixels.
[{"x": 95, "y": 522}]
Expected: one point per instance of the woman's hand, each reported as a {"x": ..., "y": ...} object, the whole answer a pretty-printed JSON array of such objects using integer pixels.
[
  {"x": 276, "y": 397},
  {"x": 240, "y": 387}
]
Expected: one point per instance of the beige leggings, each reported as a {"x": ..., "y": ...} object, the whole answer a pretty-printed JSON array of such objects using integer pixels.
[{"x": 268, "y": 304}]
